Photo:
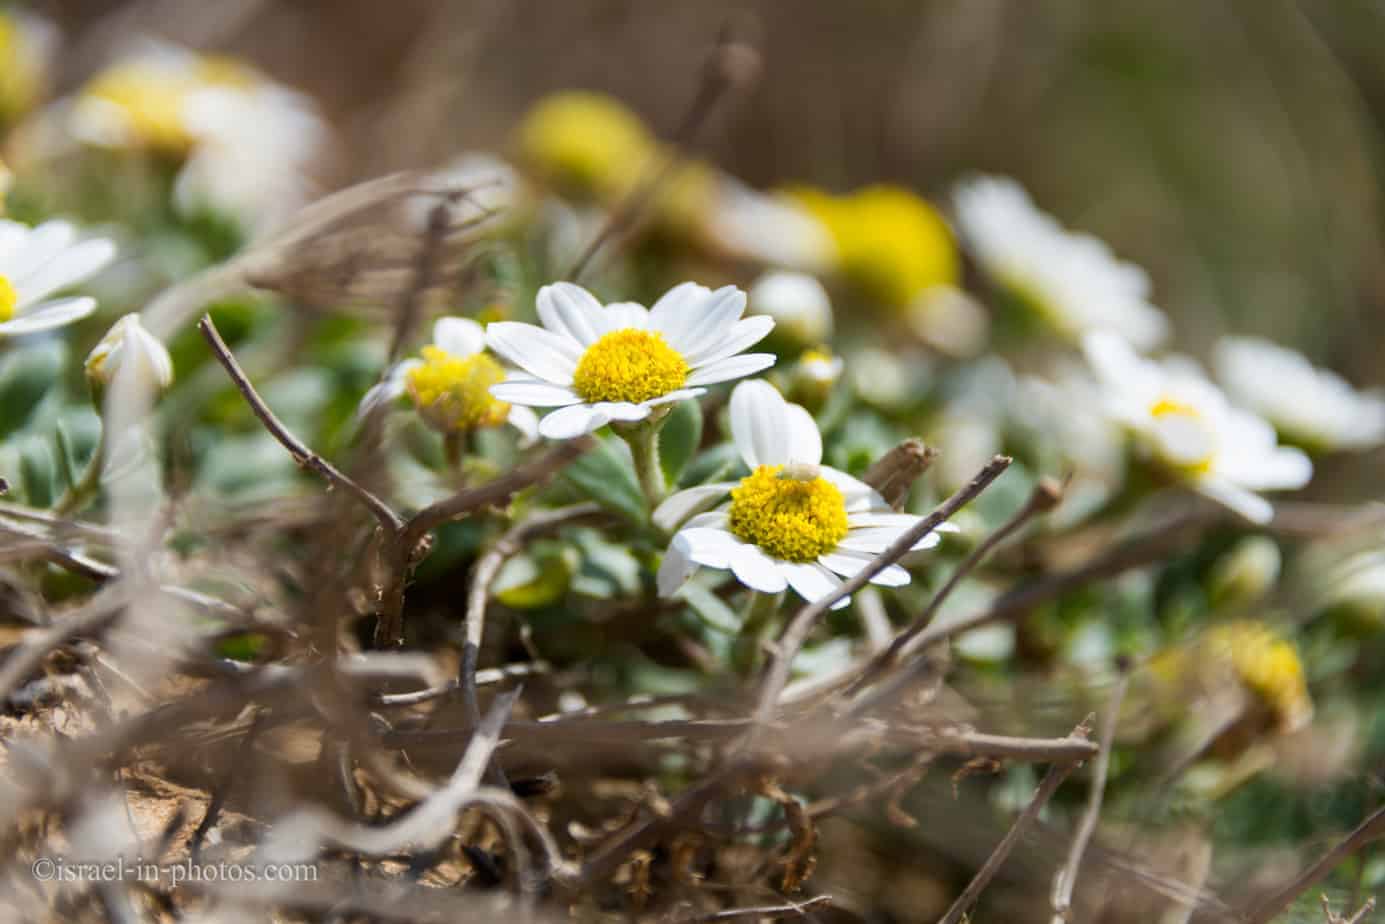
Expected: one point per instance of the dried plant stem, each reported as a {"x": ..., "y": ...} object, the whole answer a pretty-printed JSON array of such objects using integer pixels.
[
  {"x": 1356, "y": 918},
  {"x": 1047, "y": 787},
  {"x": 1045, "y": 496},
  {"x": 1368, "y": 831},
  {"x": 302, "y": 455},
  {"x": 793, "y": 909},
  {"x": 1066, "y": 880},
  {"x": 776, "y": 673}
]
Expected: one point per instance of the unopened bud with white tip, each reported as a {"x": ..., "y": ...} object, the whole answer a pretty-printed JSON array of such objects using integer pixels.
[{"x": 127, "y": 343}]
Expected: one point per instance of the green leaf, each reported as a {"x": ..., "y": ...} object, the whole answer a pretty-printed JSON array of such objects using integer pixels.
[
  {"x": 607, "y": 476},
  {"x": 37, "y": 471},
  {"x": 679, "y": 439},
  {"x": 537, "y": 578},
  {"x": 25, "y": 378}
]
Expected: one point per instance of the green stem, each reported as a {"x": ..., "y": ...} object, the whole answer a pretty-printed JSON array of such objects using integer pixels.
[
  {"x": 454, "y": 446},
  {"x": 760, "y": 610},
  {"x": 80, "y": 493},
  {"x": 644, "y": 448}
]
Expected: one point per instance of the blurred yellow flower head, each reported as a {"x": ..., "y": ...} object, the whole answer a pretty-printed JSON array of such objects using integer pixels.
[
  {"x": 453, "y": 392},
  {"x": 25, "y": 46},
  {"x": 892, "y": 244},
  {"x": 1267, "y": 665},
  {"x": 585, "y": 142}
]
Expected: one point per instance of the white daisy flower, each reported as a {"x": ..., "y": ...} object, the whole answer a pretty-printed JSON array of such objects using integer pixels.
[
  {"x": 35, "y": 263},
  {"x": 451, "y": 385},
  {"x": 768, "y": 229},
  {"x": 1072, "y": 280},
  {"x": 127, "y": 343},
  {"x": 798, "y": 303},
  {"x": 792, "y": 522},
  {"x": 1186, "y": 424},
  {"x": 1313, "y": 407},
  {"x": 619, "y": 362}
]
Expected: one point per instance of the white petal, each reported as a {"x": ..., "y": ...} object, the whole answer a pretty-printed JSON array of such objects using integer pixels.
[
  {"x": 535, "y": 350},
  {"x": 622, "y": 410},
  {"x": 525, "y": 421},
  {"x": 66, "y": 269},
  {"x": 674, "y": 314},
  {"x": 679, "y": 507},
  {"x": 676, "y": 567},
  {"x": 849, "y": 564},
  {"x": 571, "y": 422},
  {"x": 1282, "y": 468},
  {"x": 757, "y": 570},
  {"x": 682, "y": 394},
  {"x": 878, "y": 539},
  {"x": 877, "y": 518},
  {"x": 759, "y": 424},
  {"x": 812, "y": 582},
  {"x": 569, "y": 309},
  {"x": 715, "y": 548},
  {"x": 535, "y": 394},
  {"x": 712, "y": 318},
  {"x": 805, "y": 442},
  {"x": 460, "y": 337},
  {"x": 623, "y": 316},
  {"x": 1246, "y": 503},
  {"x": 41, "y": 245},
  {"x": 859, "y": 496},
  {"x": 745, "y": 333},
  {"x": 733, "y": 367},
  {"x": 48, "y": 316}
]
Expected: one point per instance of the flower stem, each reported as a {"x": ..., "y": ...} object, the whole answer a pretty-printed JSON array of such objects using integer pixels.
[
  {"x": 760, "y": 610},
  {"x": 644, "y": 448},
  {"x": 80, "y": 492}
]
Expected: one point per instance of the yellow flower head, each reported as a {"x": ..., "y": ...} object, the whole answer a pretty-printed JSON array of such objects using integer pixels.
[
  {"x": 792, "y": 515},
  {"x": 893, "y": 245},
  {"x": 22, "y": 71},
  {"x": 585, "y": 142},
  {"x": 453, "y": 393},
  {"x": 1268, "y": 666},
  {"x": 629, "y": 365}
]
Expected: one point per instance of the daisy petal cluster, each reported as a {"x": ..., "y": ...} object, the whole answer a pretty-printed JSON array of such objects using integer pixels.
[
  {"x": 450, "y": 384},
  {"x": 792, "y": 522},
  {"x": 1071, "y": 280},
  {"x": 1315, "y": 408},
  {"x": 599, "y": 364},
  {"x": 1185, "y": 424},
  {"x": 36, "y": 263}
]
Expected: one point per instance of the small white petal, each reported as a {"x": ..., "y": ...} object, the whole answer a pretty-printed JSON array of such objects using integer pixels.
[
  {"x": 733, "y": 367},
  {"x": 1246, "y": 503},
  {"x": 571, "y": 310},
  {"x": 812, "y": 582},
  {"x": 65, "y": 269},
  {"x": 546, "y": 355},
  {"x": 746, "y": 333},
  {"x": 713, "y": 317},
  {"x": 682, "y": 394},
  {"x": 624, "y": 316},
  {"x": 849, "y": 564},
  {"x": 759, "y": 424},
  {"x": 535, "y": 394},
  {"x": 805, "y": 442},
  {"x": 679, "y": 507},
  {"x": 571, "y": 422},
  {"x": 622, "y": 410},
  {"x": 461, "y": 337},
  {"x": 525, "y": 421},
  {"x": 757, "y": 570},
  {"x": 714, "y": 548},
  {"x": 676, "y": 568},
  {"x": 48, "y": 316},
  {"x": 674, "y": 314},
  {"x": 859, "y": 496},
  {"x": 877, "y": 539}
]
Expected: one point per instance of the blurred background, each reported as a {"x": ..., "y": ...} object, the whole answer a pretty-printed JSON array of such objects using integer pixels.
[{"x": 1231, "y": 148}]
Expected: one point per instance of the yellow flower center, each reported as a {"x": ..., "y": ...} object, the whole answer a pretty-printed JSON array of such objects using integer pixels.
[
  {"x": 1268, "y": 665},
  {"x": 9, "y": 298},
  {"x": 151, "y": 102},
  {"x": 585, "y": 142},
  {"x": 629, "y": 365},
  {"x": 453, "y": 393},
  {"x": 1166, "y": 408},
  {"x": 791, "y": 515}
]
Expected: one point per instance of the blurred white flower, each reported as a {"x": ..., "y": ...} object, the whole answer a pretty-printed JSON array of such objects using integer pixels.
[
  {"x": 35, "y": 263},
  {"x": 798, "y": 303},
  {"x": 792, "y": 522},
  {"x": 1071, "y": 279},
  {"x": 1186, "y": 424},
  {"x": 599, "y": 364},
  {"x": 950, "y": 320},
  {"x": 450, "y": 385},
  {"x": 1313, "y": 407},
  {"x": 128, "y": 345},
  {"x": 768, "y": 229},
  {"x": 246, "y": 143},
  {"x": 28, "y": 44},
  {"x": 490, "y": 185}
]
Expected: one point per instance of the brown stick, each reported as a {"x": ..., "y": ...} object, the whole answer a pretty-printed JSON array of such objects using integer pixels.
[
  {"x": 797, "y": 909},
  {"x": 304, "y": 456},
  {"x": 1372, "y": 829},
  {"x": 1047, "y": 787}
]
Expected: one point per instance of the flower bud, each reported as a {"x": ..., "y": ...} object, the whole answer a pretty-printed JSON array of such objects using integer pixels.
[
  {"x": 1246, "y": 572},
  {"x": 798, "y": 303},
  {"x": 128, "y": 344}
]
